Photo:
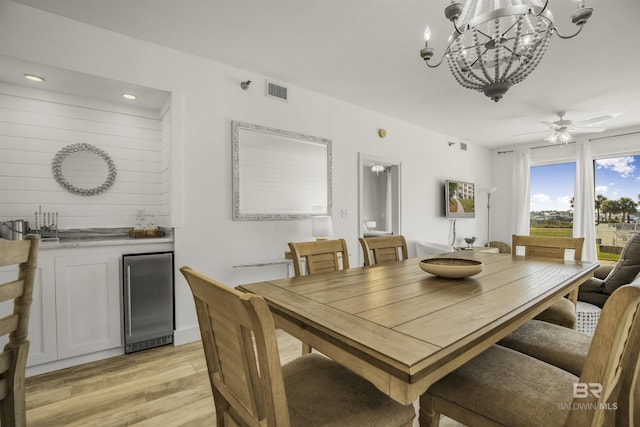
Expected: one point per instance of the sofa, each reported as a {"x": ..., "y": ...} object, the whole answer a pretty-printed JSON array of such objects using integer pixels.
[{"x": 608, "y": 278}]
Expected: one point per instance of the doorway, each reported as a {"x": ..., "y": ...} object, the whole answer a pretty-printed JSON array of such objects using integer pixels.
[{"x": 379, "y": 210}]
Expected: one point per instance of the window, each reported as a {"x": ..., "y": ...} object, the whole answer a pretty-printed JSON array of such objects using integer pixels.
[
  {"x": 551, "y": 208},
  {"x": 617, "y": 199},
  {"x": 617, "y": 194}
]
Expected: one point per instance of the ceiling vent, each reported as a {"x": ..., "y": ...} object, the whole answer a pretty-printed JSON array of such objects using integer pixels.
[{"x": 277, "y": 91}]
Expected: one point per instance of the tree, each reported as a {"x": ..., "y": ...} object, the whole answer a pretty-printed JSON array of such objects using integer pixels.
[
  {"x": 599, "y": 200},
  {"x": 627, "y": 206},
  {"x": 610, "y": 207}
]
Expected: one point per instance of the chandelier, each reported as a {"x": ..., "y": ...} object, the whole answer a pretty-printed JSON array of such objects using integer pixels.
[{"x": 498, "y": 43}]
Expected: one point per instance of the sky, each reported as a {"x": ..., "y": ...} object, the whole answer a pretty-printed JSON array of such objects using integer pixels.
[{"x": 552, "y": 185}]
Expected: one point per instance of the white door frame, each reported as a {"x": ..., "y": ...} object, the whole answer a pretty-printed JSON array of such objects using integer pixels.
[{"x": 364, "y": 159}]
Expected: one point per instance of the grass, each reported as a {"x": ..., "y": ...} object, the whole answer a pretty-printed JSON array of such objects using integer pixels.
[{"x": 552, "y": 232}]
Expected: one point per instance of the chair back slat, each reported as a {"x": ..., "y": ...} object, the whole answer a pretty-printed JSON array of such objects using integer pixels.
[
  {"x": 611, "y": 370},
  {"x": 377, "y": 250},
  {"x": 8, "y": 324},
  {"x": 321, "y": 256},
  {"x": 241, "y": 350},
  {"x": 11, "y": 290},
  {"x": 548, "y": 247},
  {"x": 13, "y": 360}
]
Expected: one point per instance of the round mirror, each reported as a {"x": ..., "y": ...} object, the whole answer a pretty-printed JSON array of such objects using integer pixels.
[{"x": 84, "y": 169}]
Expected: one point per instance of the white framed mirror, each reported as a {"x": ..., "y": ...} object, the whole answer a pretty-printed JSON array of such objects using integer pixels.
[
  {"x": 84, "y": 169},
  {"x": 278, "y": 174}
]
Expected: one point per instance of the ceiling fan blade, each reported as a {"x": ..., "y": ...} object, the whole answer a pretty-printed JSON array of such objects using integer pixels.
[
  {"x": 594, "y": 120},
  {"x": 587, "y": 130},
  {"x": 551, "y": 125},
  {"x": 533, "y": 133}
]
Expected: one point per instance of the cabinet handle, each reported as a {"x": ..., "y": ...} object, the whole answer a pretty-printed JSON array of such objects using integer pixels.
[{"x": 129, "y": 296}]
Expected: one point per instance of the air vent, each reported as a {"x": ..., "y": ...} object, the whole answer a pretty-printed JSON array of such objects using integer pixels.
[
  {"x": 463, "y": 146},
  {"x": 277, "y": 91}
]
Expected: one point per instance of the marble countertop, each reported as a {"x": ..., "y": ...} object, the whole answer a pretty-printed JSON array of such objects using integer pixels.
[{"x": 72, "y": 238}]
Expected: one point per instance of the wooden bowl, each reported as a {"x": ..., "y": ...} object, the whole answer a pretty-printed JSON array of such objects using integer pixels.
[{"x": 451, "y": 268}]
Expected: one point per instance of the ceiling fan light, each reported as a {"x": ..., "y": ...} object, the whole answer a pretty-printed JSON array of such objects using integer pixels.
[{"x": 564, "y": 137}]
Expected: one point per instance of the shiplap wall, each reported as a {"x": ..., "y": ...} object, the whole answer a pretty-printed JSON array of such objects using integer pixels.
[{"x": 35, "y": 124}]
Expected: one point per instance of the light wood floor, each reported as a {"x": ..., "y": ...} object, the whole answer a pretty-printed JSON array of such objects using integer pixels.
[{"x": 165, "y": 386}]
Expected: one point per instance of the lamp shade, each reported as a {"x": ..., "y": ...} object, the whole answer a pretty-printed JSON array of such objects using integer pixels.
[{"x": 321, "y": 226}]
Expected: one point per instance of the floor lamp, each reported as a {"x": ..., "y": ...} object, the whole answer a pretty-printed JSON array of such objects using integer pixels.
[{"x": 489, "y": 192}]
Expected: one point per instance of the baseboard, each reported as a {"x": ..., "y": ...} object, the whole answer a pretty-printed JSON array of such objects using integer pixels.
[{"x": 185, "y": 336}]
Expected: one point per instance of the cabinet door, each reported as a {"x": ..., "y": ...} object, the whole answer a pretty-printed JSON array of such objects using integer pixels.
[
  {"x": 42, "y": 319},
  {"x": 87, "y": 304}
]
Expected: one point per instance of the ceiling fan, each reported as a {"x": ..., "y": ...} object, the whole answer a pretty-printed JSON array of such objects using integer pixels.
[{"x": 562, "y": 130}]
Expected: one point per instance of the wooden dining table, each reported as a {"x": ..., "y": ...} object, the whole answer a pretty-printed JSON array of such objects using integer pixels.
[{"x": 402, "y": 328}]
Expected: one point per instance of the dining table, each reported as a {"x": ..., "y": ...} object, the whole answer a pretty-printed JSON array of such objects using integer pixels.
[{"x": 402, "y": 328}]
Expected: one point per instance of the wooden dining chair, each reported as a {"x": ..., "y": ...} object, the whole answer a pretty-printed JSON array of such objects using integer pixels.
[
  {"x": 559, "y": 346},
  {"x": 13, "y": 360},
  {"x": 250, "y": 386},
  {"x": 562, "y": 311},
  {"x": 320, "y": 256},
  {"x": 504, "y": 387},
  {"x": 382, "y": 249},
  {"x": 502, "y": 247}
]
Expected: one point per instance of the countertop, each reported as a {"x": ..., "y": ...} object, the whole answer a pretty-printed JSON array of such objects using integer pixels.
[{"x": 74, "y": 238}]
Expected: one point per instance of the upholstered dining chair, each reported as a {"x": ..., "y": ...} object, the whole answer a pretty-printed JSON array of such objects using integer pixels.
[
  {"x": 250, "y": 386},
  {"x": 504, "y": 387},
  {"x": 13, "y": 359},
  {"x": 321, "y": 256},
  {"x": 562, "y": 311},
  {"x": 559, "y": 346},
  {"x": 382, "y": 249}
]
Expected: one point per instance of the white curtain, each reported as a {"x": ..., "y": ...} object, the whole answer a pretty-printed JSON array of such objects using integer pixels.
[
  {"x": 520, "y": 197},
  {"x": 584, "y": 203}
]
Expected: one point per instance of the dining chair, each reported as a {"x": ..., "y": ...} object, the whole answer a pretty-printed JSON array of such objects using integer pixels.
[
  {"x": 382, "y": 249},
  {"x": 13, "y": 359},
  {"x": 320, "y": 256},
  {"x": 504, "y": 387},
  {"x": 562, "y": 311},
  {"x": 559, "y": 346},
  {"x": 250, "y": 386},
  {"x": 503, "y": 247}
]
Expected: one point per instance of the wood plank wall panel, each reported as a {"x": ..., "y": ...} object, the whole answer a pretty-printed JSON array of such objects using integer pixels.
[{"x": 35, "y": 124}]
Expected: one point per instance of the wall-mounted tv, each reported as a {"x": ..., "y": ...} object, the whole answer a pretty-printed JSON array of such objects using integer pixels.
[{"x": 460, "y": 199}]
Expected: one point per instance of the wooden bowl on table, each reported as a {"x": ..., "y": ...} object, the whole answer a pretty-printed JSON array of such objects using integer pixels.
[{"x": 451, "y": 268}]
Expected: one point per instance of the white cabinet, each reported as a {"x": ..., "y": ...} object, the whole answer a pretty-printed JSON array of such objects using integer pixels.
[
  {"x": 87, "y": 304},
  {"x": 42, "y": 320},
  {"x": 76, "y": 314}
]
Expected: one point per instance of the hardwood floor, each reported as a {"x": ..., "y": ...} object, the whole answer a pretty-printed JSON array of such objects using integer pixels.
[{"x": 165, "y": 386}]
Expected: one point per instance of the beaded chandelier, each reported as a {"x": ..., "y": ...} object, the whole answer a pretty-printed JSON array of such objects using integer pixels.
[{"x": 498, "y": 43}]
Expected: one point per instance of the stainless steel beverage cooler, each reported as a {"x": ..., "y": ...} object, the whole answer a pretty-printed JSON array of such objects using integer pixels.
[{"x": 148, "y": 300}]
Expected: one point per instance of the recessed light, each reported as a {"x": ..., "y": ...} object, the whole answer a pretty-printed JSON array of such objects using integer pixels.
[
  {"x": 129, "y": 96},
  {"x": 34, "y": 78}
]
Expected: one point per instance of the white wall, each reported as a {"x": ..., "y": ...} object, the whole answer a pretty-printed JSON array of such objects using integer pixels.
[
  {"x": 206, "y": 96},
  {"x": 36, "y": 124}
]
